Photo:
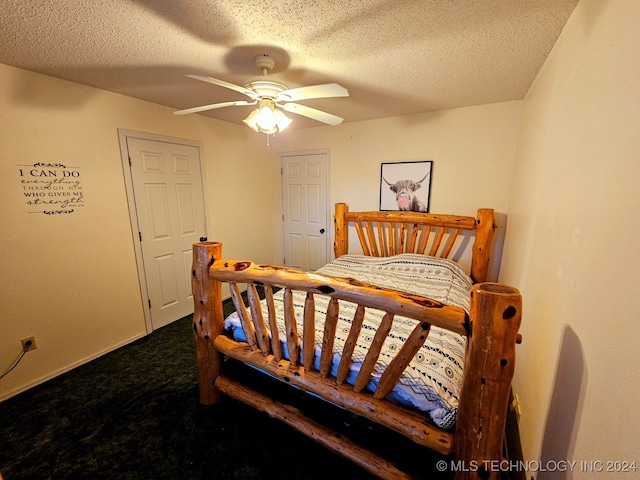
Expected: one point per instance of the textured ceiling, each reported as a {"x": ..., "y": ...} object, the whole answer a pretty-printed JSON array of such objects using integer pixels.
[{"x": 395, "y": 57}]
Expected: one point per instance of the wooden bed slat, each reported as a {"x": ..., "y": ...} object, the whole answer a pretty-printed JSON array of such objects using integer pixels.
[
  {"x": 383, "y": 247},
  {"x": 392, "y": 238},
  {"x": 425, "y": 238},
  {"x": 276, "y": 346},
  {"x": 436, "y": 242},
  {"x": 372, "y": 240},
  {"x": 293, "y": 343},
  {"x": 350, "y": 345},
  {"x": 401, "y": 239},
  {"x": 309, "y": 333},
  {"x": 373, "y": 353},
  {"x": 414, "y": 237},
  {"x": 363, "y": 240},
  {"x": 262, "y": 336},
  {"x": 247, "y": 326},
  {"x": 451, "y": 240},
  {"x": 402, "y": 359},
  {"x": 330, "y": 323}
]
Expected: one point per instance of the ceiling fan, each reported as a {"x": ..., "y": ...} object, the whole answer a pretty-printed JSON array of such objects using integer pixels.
[{"x": 268, "y": 95}]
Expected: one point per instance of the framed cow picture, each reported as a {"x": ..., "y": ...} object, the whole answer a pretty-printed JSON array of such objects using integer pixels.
[{"x": 405, "y": 186}]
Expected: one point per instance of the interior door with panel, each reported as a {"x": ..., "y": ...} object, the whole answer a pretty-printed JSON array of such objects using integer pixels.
[
  {"x": 169, "y": 202},
  {"x": 304, "y": 207}
]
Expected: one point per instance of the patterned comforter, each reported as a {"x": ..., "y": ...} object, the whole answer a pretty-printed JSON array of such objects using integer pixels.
[{"x": 432, "y": 380}]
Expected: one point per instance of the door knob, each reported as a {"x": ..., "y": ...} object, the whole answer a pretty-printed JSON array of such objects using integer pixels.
[
  {"x": 203, "y": 239},
  {"x": 322, "y": 230}
]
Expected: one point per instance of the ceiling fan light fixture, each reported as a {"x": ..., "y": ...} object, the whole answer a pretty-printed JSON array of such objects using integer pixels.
[
  {"x": 267, "y": 118},
  {"x": 252, "y": 120},
  {"x": 282, "y": 121}
]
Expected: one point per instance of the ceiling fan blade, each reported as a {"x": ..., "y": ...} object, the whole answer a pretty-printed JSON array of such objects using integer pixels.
[
  {"x": 328, "y": 90},
  {"x": 222, "y": 83},
  {"x": 238, "y": 103},
  {"x": 312, "y": 113}
]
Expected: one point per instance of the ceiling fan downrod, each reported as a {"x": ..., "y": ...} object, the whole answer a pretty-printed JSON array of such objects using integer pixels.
[{"x": 265, "y": 63}]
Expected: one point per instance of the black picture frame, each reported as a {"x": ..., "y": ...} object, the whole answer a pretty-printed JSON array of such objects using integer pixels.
[{"x": 406, "y": 186}]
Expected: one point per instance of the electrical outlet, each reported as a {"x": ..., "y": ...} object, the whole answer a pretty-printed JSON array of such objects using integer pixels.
[{"x": 32, "y": 346}]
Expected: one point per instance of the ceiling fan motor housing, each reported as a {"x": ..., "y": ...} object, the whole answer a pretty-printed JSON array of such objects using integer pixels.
[{"x": 265, "y": 88}]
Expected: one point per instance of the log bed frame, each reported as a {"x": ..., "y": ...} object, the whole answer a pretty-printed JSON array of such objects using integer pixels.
[{"x": 491, "y": 326}]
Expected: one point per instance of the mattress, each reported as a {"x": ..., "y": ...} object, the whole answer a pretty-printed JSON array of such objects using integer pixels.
[{"x": 432, "y": 381}]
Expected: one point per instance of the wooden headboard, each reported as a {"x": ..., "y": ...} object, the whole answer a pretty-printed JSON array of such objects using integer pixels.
[{"x": 389, "y": 233}]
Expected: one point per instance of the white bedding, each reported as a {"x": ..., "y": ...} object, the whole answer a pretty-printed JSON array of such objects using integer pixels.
[{"x": 432, "y": 380}]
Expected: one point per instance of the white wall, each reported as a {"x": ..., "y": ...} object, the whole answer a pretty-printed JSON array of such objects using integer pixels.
[
  {"x": 71, "y": 280},
  {"x": 472, "y": 148},
  {"x": 571, "y": 246}
]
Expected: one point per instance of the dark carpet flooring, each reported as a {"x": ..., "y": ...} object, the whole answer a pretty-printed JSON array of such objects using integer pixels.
[{"x": 134, "y": 414}]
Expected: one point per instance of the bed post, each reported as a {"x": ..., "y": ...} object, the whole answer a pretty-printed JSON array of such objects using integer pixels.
[
  {"x": 488, "y": 370},
  {"x": 341, "y": 232},
  {"x": 485, "y": 228},
  {"x": 207, "y": 318}
]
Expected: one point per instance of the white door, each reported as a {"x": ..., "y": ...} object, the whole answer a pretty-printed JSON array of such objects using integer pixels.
[
  {"x": 169, "y": 204},
  {"x": 304, "y": 208}
]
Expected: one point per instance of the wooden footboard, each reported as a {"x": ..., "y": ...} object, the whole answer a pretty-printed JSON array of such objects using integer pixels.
[{"x": 491, "y": 327}]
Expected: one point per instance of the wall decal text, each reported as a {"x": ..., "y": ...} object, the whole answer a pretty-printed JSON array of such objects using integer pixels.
[{"x": 51, "y": 188}]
